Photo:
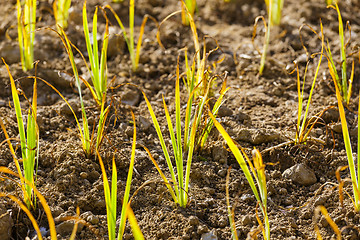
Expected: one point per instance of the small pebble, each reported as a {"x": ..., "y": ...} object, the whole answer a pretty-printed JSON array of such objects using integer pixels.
[
  {"x": 222, "y": 172},
  {"x": 193, "y": 220},
  {"x": 300, "y": 174},
  {"x": 282, "y": 191},
  {"x": 83, "y": 175},
  {"x": 202, "y": 229},
  {"x": 208, "y": 236},
  {"x": 337, "y": 128},
  {"x": 246, "y": 220}
]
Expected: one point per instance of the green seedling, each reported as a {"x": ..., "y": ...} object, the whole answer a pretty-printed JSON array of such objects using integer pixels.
[
  {"x": 181, "y": 184},
  {"x": 304, "y": 127},
  {"x": 254, "y": 173},
  {"x": 51, "y": 223},
  {"x": 354, "y": 169},
  {"x": 331, "y": 2},
  {"x": 343, "y": 93},
  {"x": 98, "y": 66},
  {"x": 61, "y": 12},
  {"x": 195, "y": 74},
  {"x": 187, "y": 144},
  {"x": 191, "y": 8},
  {"x": 208, "y": 121},
  {"x": 25, "y": 208},
  {"x": 344, "y": 84},
  {"x": 29, "y": 139},
  {"x": 274, "y": 8},
  {"x": 198, "y": 83},
  {"x": 111, "y": 197},
  {"x": 134, "y": 53},
  {"x": 86, "y": 139},
  {"x": 26, "y": 19}
]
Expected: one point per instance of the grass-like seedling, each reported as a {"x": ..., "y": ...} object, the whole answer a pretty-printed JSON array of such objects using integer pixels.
[
  {"x": 26, "y": 19},
  {"x": 303, "y": 124},
  {"x": 181, "y": 184},
  {"x": 61, "y": 12},
  {"x": 29, "y": 139},
  {"x": 354, "y": 169},
  {"x": 45, "y": 206},
  {"x": 191, "y": 7},
  {"x": 344, "y": 84},
  {"x": 26, "y": 209},
  {"x": 198, "y": 83},
  {"x": 274, "y": 8},
  {"x": 181, "y": 146},
  {"x": 304, "y": 127},
  {"x": 111, "y": 197},
  {"x": 98, "y": 66},
  {"x": 86, "y": 139},
  {"x": 343, "y": 93},
  {"x": 330, "y": 2},
  {"x": 134, "y": 53},
  {"x": 254, "y": 173}
]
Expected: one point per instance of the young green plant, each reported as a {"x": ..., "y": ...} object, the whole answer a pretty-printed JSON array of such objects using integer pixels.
[
  {"x": 254, "y": 173},
  {"x": 98, "y": 65},
  {"x": 191, "y": 8},
  {"x": 181, "y": 184},
  {"x": 304, "y": 127},
  {"x": 198, "y": 83},
  {"x": 344, "y": 85},
  {"x": 42, "y": 200},
  {"x": 111, "y": 197},
  {"x": 330, "y": 2},
  {"x": 130, "y": 42},
  {"x": 86, "y": 139},
  {"x": 29, "y": 139},
  {"x": 26, "y": 19},
  {"x": 61, "y": 12},
  {"x": 274, "y": 8},
  {"x": 25, "y": 208},
  {"x": 354, "y": 169}
]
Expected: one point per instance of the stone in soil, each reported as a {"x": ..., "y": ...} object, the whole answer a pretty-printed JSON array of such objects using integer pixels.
[
  {"x": 208, "y": 236},
  {"x": 300, "y": 174}
]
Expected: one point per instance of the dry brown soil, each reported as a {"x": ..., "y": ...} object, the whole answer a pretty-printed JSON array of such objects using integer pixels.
[{"x": 259, "y": 111}]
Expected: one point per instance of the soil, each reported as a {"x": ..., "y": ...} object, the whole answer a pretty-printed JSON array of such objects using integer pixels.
[{"x": 259, "y": 111}]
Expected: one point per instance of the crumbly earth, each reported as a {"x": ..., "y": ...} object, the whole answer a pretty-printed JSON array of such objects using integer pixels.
[{"x": 259, "y": 111}]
